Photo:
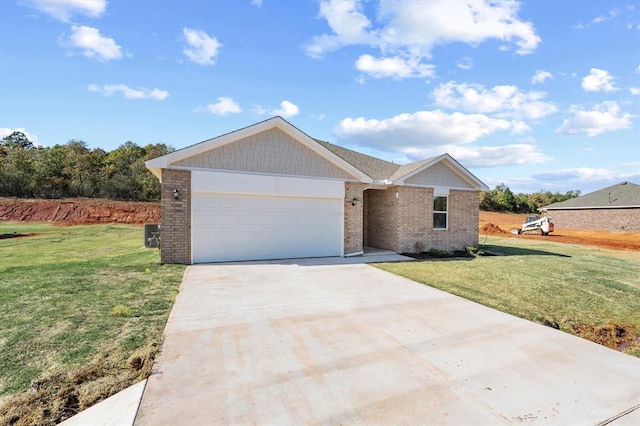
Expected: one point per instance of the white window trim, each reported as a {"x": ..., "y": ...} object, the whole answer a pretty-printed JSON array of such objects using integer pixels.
[{"x": 446, "y": 227}]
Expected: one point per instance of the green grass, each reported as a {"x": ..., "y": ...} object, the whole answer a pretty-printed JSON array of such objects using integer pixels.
[
  {"x": 76, "y": 296},
  {"x": 571, "y": 286}
]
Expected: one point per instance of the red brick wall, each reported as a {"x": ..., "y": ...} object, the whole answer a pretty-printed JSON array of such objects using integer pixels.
[
  {"x": 175, "y": 226},
  {"x": 597, "y": 219}
]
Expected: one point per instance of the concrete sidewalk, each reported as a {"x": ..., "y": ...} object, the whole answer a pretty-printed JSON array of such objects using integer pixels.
[{"x": 297, "y": 342}]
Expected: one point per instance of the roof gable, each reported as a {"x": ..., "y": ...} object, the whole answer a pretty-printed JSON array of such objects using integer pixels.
[
  {"x": 271, "y": 151},
  {"x": 452, "y": 175},
  {"x": 201, "y": 154},
  {"x": 275, "y": 146},
  {"x": 624, "y": 194}
]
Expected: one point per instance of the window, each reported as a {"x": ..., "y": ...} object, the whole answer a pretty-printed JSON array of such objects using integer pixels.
[{"x": 439, "y": 212}]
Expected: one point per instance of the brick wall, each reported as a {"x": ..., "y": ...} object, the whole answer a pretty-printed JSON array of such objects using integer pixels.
[
  {"x": 401, "y": 219},
  {"x": 353, "y": 217},
  {"x": 415, "y": 219},
  {"x": 463, "y": 223},
  {"x": 175, "y": 244},
  {"x": 598, "y": 219},
  {"x": 382, "y": 219}
]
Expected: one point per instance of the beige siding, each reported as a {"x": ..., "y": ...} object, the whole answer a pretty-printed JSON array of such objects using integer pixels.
[
  {"x": 271, "y": 151},
  {"x": 438, "y": 175},
  {"x": 599, "y": 219},
  {"x": 175, "y": 227}
]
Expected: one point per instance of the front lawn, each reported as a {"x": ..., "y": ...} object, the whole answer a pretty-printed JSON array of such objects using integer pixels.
[
  {"x": 83, "y": 311},
  {"x": 581, "y": 290}
]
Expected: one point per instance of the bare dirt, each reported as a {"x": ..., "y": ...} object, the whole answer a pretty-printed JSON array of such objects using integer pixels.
[
  {"x": 78, "y": 211},
  {"x": 499, "y": 224}
]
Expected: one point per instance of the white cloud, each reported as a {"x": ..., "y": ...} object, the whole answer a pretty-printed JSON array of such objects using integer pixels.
[
  {"x": 506, "y": 101},
  {"x": 635, "y": 90},
  {"x": 395, "y": 67},
  {"x": 540, "y": 76},
  {"x": 92, "y": 44},
  {"x": 598, "y": 81},
  {"x": 466, "y": 63},
  {"x": 602, "y": 18},
  {"x": 287, "y": 109},
  {"x": 128, "y": 92},
  {"x": 604, "y": 117},
  {"x": 348, "y": 23},
  {"x": 256, "y": 2},
  {"x": 427, "y": 134},
  {"x": 201, "y": 48},
  {"x": 410, "y": 133},
  {"x": 224, "y": 106},
  {"x": 64, "y": 10},
  {"x": 496, "y": 156},
  {"x": 5, "y": 131},
  {"x": 412, "y": 29},
  {"x": 578, "y": 174}
]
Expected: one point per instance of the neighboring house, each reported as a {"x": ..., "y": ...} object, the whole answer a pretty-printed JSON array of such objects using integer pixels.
[
  {"x": 615, "y": 208},
  {"x": 269, "y": 191}
]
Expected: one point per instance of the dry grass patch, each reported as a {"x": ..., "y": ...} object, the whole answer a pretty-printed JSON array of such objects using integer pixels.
[{"x": 84, "y": 311}]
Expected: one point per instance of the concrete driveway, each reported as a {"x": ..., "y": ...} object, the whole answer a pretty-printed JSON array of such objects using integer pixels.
[{"x": 305, "y": 342}]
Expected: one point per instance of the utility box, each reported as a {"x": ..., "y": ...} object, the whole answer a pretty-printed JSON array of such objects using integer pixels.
[{"x": 151, "y": 235}]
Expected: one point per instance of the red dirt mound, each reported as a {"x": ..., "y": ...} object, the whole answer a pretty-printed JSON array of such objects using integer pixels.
[
  {"x": 78, "y": 211},
  {"x": 491, "y": 229}
]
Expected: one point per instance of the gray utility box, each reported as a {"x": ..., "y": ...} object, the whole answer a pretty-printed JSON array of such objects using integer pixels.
[{"x": 151, "y": 235}]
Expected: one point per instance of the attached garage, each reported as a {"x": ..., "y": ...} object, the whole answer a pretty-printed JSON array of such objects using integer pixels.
[
  {"x": 270, "y": 191},
  {"x": 255, "y": 217}
]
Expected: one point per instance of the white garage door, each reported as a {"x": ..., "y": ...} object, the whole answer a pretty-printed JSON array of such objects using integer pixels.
[{"x": 227, "y": 227}]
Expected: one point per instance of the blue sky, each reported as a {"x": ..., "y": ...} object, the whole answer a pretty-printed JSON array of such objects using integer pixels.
[{"x": 536, "y": 95}]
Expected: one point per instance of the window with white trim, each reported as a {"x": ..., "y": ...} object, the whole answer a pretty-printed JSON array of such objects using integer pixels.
[{"x": 440, "y": 212}]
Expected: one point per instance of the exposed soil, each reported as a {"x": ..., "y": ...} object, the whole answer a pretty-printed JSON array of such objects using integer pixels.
[
  {"x": 440, "y": 255},
  {"x": 15, "y": 235},
  {"x": 614, "y": 336},
  {"x": 77, "y": 211},
  {"x": 60, "y": 396},
  {"x": 492, "y": 223}
]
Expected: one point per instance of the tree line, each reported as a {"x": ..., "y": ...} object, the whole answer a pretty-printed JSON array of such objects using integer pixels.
[
  {"x": 502, "y": 199},
  {"x": 75, "y": 170}
]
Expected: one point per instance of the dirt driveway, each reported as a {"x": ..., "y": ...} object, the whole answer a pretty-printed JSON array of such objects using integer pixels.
[{"x": 299, "y": 343}]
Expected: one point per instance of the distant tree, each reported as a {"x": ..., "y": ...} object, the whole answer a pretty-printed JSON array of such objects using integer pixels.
[
  {"x": 501, "y": 198},
  {"x": 17, "y": 140}
]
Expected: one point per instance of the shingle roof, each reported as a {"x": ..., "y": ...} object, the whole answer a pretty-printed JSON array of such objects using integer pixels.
[
  {"x": 408, "y": 168},
  {"x": 374, "y": 167},
  {"x": 624, "y": 194}
]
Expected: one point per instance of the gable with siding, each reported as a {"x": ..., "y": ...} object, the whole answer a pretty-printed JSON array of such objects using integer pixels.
[
  {"x": 270, "y": 151},
  {"x": 439, "y": 175}
]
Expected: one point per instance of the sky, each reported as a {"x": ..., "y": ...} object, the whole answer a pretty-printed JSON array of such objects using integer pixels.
[{"x": 538, "y": 95}]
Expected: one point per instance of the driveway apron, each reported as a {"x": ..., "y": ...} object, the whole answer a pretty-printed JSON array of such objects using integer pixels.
[{"x": 301, "y": 342}]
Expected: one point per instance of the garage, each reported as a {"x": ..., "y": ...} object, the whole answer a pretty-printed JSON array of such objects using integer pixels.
[
  {"x": 286, "y": 218},
  {"x": 237, "y": 227}
]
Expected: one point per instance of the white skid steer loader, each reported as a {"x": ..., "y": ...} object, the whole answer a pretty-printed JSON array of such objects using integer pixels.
[{"x": 535, "y": 225}]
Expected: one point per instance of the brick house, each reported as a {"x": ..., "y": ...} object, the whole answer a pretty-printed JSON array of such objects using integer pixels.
[
  {"x": 614, "y": 208},
  {"x": 269, "y": 191}
]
